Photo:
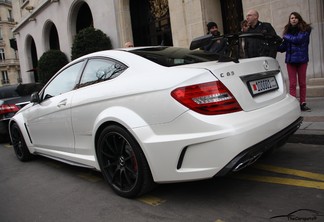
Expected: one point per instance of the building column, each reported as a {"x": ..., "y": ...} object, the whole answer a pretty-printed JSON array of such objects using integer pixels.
[{"x": 124, "y": 22}]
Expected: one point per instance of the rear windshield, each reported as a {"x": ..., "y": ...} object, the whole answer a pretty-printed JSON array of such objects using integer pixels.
[{"x": 173, "y": 56}]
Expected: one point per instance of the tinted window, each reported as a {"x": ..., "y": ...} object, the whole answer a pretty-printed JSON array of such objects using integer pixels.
[
  {"x": 63, "y": 82},
  {"x": 19, "y": 90},
  {"x": 172, "y": 56},
  {"x": 98, "y": 70},
  {"x": 28, "y": 88},
  {"x": 8, "y": 92}
]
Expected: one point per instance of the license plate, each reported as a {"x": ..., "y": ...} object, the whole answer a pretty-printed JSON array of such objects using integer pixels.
[{"x": 259, "y": 86}]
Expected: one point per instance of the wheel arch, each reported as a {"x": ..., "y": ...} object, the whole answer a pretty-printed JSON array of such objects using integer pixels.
[
  {"x": 122, "y": 117},
  {"x": 21, "y": 124}
]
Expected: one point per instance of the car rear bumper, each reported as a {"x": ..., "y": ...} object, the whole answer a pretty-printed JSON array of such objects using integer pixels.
[
  {"x": 250, "y": 155},
  {"x": 195, "y": 147}
]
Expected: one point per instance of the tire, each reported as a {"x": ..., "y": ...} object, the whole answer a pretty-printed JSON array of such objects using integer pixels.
[
  {"x": 19, "y": 144},
  {"x": 123, "y": 163}
]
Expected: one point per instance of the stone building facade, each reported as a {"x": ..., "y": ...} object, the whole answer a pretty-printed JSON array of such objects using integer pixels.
[
  {"x": 9, "y": 63},
  {"x": 48, "y": 24}
]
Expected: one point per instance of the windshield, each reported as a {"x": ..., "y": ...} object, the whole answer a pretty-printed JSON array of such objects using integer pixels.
[{"x": 173, "y": 56}]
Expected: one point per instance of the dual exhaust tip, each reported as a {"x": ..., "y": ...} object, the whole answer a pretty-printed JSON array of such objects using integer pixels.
[{"x": 247, "y": 162}]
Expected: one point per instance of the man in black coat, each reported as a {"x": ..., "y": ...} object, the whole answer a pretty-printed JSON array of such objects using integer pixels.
[
  {"x": 215, "y": 46},
  {"x": 259, "y": 46}
]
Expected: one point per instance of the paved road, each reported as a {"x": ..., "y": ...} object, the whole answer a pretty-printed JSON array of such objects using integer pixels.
[{"x": 291, "y": 179}]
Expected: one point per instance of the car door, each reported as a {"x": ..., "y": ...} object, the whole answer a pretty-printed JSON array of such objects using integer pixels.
[
  {"x": 49, "y": 122},
  {"x": 91, "y": 98}
]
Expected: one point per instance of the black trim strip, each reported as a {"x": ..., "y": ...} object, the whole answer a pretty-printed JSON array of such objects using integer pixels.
[
  {"x": 30, "y": 139},
  {"x": 183, "y": 152}
]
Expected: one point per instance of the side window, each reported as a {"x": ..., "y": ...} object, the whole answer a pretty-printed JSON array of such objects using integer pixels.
[
  {"x": 98, "y": 70},
  {"x": 63, "y": 82}
]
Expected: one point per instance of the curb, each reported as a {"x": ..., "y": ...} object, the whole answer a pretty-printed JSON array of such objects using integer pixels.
[{"x": 315, "y": 139}]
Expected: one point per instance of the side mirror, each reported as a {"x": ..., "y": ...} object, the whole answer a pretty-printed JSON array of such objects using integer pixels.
[{"x": 34, "y": 98}]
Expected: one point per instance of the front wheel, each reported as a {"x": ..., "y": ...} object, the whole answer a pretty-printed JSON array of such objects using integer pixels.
[
  {"x": 19, "y": 144},
  {"x": 123, "y": 163}
]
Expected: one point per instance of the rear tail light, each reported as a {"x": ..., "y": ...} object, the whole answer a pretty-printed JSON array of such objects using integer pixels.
[
  {"x": 210, "y": 98},
  {"x": 8, "y": 108}
]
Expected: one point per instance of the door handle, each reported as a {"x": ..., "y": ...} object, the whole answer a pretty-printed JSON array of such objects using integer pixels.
[{"x": 62, "y": 103}]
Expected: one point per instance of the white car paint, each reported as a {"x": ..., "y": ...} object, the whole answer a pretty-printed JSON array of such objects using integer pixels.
[{"x": 65, "y": 127}]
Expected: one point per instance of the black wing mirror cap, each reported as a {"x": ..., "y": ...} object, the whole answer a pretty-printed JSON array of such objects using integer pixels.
[{"x": 34, "y": 98}]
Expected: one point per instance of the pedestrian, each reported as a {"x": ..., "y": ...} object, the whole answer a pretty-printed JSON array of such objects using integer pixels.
[
  {"x": 217, "y": 44},
  {"x": 258, "y": 46},
  {"x": 295, "y": 43},
  {"x": 244, "y": 28},
  {"x": 128, "y": 45}
]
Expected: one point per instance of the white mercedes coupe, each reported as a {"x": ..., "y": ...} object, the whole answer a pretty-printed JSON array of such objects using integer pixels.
[{"x": 149, "y": 115}]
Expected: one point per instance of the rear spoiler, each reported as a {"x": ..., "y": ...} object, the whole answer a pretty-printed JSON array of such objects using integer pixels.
[
  {"x": 204, "y": 40},
  {"x": 233, "y": 41}
]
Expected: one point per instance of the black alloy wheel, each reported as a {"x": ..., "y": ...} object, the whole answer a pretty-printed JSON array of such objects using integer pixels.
[
  {"x": 19, "y": 144},
  {"x": 123, "y": 163}
]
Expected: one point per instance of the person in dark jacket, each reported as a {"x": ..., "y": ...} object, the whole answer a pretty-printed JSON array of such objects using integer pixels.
[
  {"x": 244, "y": 28},
  {"x": 255, "y": 47},
  {"x": 215, "y": 46},
  {"x": 295, "y": 43}
]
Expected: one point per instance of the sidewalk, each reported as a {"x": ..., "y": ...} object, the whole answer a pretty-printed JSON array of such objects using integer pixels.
[{"x": 312, "y": 129}]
